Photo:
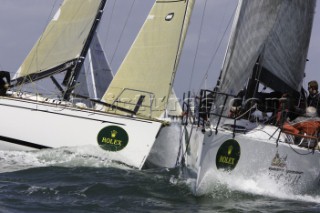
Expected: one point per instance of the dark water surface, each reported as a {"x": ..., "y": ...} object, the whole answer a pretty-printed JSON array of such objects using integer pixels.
[{"x": 61, "y": 181}]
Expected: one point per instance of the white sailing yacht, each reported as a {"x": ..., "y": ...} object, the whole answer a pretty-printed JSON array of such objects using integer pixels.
[
  {"x": 243, "y": 139},
  {"x": 131, "y": 115}
]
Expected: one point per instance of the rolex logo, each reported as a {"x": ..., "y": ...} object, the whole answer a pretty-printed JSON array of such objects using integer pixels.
[
  {"x": 114, "y": 133},
  {"x": 230, "y": 148},
  {"x": 113, "y": 138},
  {"x": 228, "y": 155}
]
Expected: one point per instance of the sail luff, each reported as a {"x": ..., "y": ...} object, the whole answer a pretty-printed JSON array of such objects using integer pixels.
[
  {"x": 231, "y": 38},
  {"x": 62, "y": 42},
  {"x": 96, "y": 74},
  {"x": 147, "y": 71},
  {"x": 91, "y": 73},
  {"x": 102, "y": 72},
  {"x": 188, "y": 13}
]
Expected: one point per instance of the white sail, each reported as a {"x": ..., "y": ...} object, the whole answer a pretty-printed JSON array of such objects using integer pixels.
[
  {"x": 144, "y": 80},
  {"x": 63, "y": 41}
]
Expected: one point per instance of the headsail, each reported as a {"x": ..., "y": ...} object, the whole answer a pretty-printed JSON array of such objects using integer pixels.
[
  {"x": 96, "y": 74},
  {"x": 277, "y": 32},
  {"x": 144, "y": 79},
  {"x": 174, "y": 108},
  {"x": 64, "y": 42}
]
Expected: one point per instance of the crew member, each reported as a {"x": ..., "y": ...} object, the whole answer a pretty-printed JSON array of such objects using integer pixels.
[
  {"x": 308, "y": 124},
  {"x": 4, "y": 82},
  {"x": 314, "y": 96}
]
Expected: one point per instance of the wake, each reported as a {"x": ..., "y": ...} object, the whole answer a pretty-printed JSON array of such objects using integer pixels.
[
  {"x": 84, "y": 156},
  {"x": 263, "y": 185}
]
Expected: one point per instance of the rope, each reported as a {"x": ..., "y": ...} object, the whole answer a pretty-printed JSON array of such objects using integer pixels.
[
  {"x": 187, "y": 144},
  {"x": 122, "y": 31},
  {"x": 311, "y": 152},
  {"x": 216, "y": 50},
  {"x": 243, "y": 114},
  {"x": 47, "y": 22},
  {"x": 180, "y": 148},
  {"x": 108, "y": 25},
  {"x": 197, "y": 48}
]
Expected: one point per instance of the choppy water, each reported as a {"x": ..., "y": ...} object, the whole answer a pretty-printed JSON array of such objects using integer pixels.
[{"x": 65, "y": 180}]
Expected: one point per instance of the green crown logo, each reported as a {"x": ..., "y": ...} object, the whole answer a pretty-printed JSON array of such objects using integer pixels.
[
  {"x": 114, "y": 133},
  {"x": 230, "y": 148}
]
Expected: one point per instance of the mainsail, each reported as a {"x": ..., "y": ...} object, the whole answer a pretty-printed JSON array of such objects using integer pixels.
[
  {"x": 64, "y": 43},
  {"x": 144, "y": 80},
  {"x": 276, "y": 34}
]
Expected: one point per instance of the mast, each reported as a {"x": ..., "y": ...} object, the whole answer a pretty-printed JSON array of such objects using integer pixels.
[{"x": 71, "y": 79}]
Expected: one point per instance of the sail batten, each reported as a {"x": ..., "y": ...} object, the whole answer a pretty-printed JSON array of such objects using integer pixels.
[
  {"x": 62, "y": 41},
  {"x": 149, "y": 67}
]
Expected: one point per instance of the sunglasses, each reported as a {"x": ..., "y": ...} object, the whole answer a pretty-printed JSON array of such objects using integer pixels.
[{"x": 312, "y": 87}]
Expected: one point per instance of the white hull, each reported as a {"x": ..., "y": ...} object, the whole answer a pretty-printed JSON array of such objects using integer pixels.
[
  {"x": 28, "y": 125},
  {"x": 165, "y": 152},
  {"x": 295, "y": 168},
  {"x": 177, "y": 145},
  {"x": 192, "y": 146}
]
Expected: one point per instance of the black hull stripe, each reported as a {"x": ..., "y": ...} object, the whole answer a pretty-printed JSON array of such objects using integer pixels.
[{"x": 23, "y": 143}]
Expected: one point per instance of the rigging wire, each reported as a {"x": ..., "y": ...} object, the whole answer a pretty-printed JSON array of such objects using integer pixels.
[
  {"x": 198, "y": 42},
  {"x": 122, "y": 31},
  {"x": 216, "y": 50},
  {"x": 47, "y": 22},
  {"x": 109, "y": 24},
  {"x": 299, "y": 153}
]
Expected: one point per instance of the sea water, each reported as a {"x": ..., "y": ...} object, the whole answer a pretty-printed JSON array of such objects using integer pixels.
[{"x": 70, "y": 180}]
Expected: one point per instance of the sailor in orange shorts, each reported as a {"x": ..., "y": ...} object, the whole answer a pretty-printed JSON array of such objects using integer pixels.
[{"x": 308, "y": 124}]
